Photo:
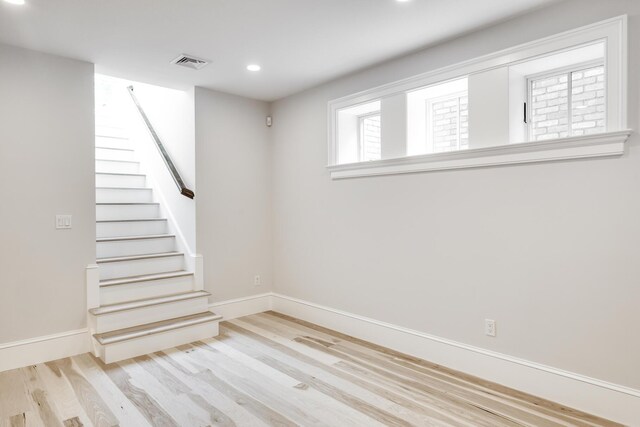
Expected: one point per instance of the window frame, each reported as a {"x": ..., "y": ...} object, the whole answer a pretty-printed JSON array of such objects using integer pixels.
[
  {"x": 567, "y": 71},
  {"x": 361, "y": 118},
  {"x": 613, "y": 32}
]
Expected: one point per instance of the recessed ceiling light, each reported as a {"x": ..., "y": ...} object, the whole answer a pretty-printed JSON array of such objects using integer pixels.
[
  {"x": 403, "y": 1},
  {"x": 19, "y": 2},
  {"x": 254, "y": 67}
]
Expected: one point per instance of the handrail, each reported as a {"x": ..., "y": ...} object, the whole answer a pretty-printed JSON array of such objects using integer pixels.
[{"x": 163, "y": 153}]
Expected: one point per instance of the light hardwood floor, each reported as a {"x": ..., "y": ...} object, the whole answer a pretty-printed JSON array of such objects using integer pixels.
[{"x": 268, "y": 369}]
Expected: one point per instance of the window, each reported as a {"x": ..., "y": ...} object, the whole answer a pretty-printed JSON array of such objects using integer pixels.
[
  {"x": 438, "y": 118},
  {"x": 568, "y": 103},
  {"x": 560, "y": 97},
  {"x": 369, "y": 138},
  {"x": 448, "y": 124}
]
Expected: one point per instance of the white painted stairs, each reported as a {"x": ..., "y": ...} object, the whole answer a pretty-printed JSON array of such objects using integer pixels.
[{"x": 148, "y": 301}]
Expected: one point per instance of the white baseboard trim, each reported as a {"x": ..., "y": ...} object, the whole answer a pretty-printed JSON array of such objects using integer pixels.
[
  {"x": 605, "y": 399},
  {"x": 43, "y": 349},
  {"x": 233, "y": 308}
]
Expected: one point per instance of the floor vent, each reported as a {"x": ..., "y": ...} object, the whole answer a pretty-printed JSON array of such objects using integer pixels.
[{"x": 190, "y": 61}]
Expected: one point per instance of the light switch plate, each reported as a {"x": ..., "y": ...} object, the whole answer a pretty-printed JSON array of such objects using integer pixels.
[{"x": 63, "y": 222}]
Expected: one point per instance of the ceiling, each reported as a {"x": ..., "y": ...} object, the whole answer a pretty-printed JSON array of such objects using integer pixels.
[{"x": 298, "y": 43}]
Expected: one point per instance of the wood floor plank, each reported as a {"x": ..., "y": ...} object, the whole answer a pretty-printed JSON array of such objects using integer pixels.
[
  {"x": 173, "y": 361},
  {"x": 94, "y": 406},
  {"x": 255, "y": 406},
  {"x": 14, "y": 398},
  {"x": 250, "y": 345},
  {"x": 436, "y": 408},
  {"x": 182, "y": 410},
  {"x": 278, "y": 397},
  {"x": 147, "y": 406},
  {"x": 118, "y": 403},
  {"x": 216, "y": 417},
  {"x": 63, "y": 395},
  {"x": 524, "y": 398},
  {"x": 296, "y": 330},
  {"x": 300, "y": 394},
  {"x": 265, "y": 370}
]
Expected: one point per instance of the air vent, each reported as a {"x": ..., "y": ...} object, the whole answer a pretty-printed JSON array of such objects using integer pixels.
[{"x": 190, "y": 61}]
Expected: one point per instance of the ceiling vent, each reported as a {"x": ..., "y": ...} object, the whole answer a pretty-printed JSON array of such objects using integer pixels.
[{"x": 190, "y": 61}]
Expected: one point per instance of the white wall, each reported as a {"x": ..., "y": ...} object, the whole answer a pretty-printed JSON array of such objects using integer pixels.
[
  {"x": 548, "y": 250},
  {"x": 46, "y": 168},
  {"x": 233, "y": 206}
]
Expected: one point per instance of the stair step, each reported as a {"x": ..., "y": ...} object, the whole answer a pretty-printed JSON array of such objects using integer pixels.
[
  {"x": 114, "y": 153},
  {"x": 132, "y": 305},
  {"x": 137, "y": 265},
  {"x": 126, "y": 238},
  {"x": 123, "y": 180},
  {"x": 156, "y": 327},
  {"x": 134, "y": 245},
  {"x": 108, "y": 221},
  {"x": 117, "y": 166},
  {"x": 127, "y": 211},
  {"x": 114, "y": 291},
  {"x": 124, "y": 195},
  {"x": 138, "y": 257},
  {"x": 144, "y": 278}
]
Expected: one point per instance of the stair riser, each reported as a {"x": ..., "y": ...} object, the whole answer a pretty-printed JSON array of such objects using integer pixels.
[
  {"x": 105, "y": 180},
  {"x": 114, "y": 154},
  {"x": 154, "y": 313},
  {"x": 109, "y": 212},
  {"x": 122, "y": 248},
  {"x": 139, "y": 267},
  {"x": 116, "y": 195},
  {"x": 127, "y": 349},
  {"x": 134, "y": 228},
  {"x": 116, "y": 167},
  {"x": 147, "y": 289},
  {"x": 102, "y": 141},
  {"x": 117, "y": 132}
]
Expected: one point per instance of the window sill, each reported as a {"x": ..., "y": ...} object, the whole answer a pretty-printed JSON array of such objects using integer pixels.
[{"x": 601, "y": 145}]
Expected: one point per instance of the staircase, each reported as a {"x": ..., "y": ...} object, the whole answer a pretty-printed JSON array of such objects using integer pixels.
[{"x": 148, "y": 301}]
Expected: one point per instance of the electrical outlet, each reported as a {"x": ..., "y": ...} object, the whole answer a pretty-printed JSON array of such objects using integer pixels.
[
  {"x": 490, "y": 327},
  {"x": 257, "y": 281},
  {"x": 63, "y": 222}
]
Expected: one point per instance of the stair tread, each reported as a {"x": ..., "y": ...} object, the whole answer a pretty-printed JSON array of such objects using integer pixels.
[
  {"x": 144, "y": 278},
  {"x": 124, "y": 188},
  {"x": 137, "y": 257},
  {"x": 147, "y": 302},
  {"x": 156, "y": 327},
  {"x": 142, "y": 237},
  {"x": 119, "y": 161},
  {"x": 128, "y": 203},
  {"x": 120, "y": 173},
  {"x": 114, "y": 148},
  {"x": 111, "y": 136},
  {"x": 131, "y": 220}
]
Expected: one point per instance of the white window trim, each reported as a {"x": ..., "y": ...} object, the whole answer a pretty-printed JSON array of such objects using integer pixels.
[
  {"x": 611, "y": 143},
  {"x": 577, "y": 147}
]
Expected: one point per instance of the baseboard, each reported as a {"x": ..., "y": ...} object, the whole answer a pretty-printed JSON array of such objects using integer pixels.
[
  {"x": 608, "y": 400},
  {"x": 602, "y": 398},
  {"x": 233, "y": 308},
  {"x": 43, "y": 349}
]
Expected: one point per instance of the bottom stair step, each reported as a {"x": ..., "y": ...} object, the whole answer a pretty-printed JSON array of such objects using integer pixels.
[{"x": 138, "y": 340}]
